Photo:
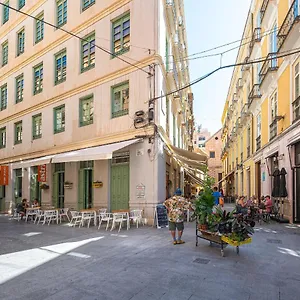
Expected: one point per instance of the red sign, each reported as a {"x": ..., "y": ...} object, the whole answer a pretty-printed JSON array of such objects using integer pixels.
[
  {"x": 4, "y": 174},
  {"x": 42, "y": 176}
]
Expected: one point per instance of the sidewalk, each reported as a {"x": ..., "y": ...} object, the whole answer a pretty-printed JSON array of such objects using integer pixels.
[{"x": 144, "y": 264}]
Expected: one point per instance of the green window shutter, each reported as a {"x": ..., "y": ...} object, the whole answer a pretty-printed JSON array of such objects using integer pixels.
[
  {"x": 5, "y": 14},
  {"x": 60, "y": 66},
  {"x": 55, "y": 190},
  {"x": 87, "y": 3},
  {"x": 59, "y": 119},
  {"x": 81, "y": 189},
  {"x": 38, "y": 75},
  {"x": 18, "y": 132},
  {"x": 3, "y": 137},
  {"x": 86, "y": 110},
  {"x": 120, "y": 100},
  {"x": 19, "y": 88},
  {"x": 88, "y": 52},
  {"x": 3, "y": 97},
  {"x": 37, "y": 126},
  {"x": 4, "y": 53},
  {"x": 121, "y": 35},
  {"x": 62, "y": 12},
  {"x": 39, "y": 28},
  {"x": 21, "y": 4},
  {"x": 21, "y": 42}
]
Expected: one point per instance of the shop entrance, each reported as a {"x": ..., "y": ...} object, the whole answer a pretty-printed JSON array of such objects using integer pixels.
[
  {"x": 35, "y": 189},
  {"x": 58, "y": 195},
  {"x": 119, "y": 184},
  {"x": 85, "y": 199},
  {"x": 18, "y": 185}
]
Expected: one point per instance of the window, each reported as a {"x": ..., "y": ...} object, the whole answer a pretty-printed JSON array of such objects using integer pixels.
[
  {"x": 5, "y": 14},
  {"x": 248, "y": 142},
  {"x": 21, "y": 42},
  {"x": 37, "y": 126},
  {"x": 212, "y": 154},
  {"x": 21, "y": 3},
  {"x": 39, "y": 28},
  {"x": 88, "y": 52},
  {"x": 86, "y": 108},
  {"x": 18, "y": 132},
  {"x": 296, "y": 103},
  {"x": 258, "y": 125},
  {"x": 120, "y": 100},
  {"x": 3, "y": 137},
  {"x": 62, "y": 9},
  {"x": 5, "y": 53},
  {"x": 38, "y": 79},
  {"x": 167, "y": 116},
  {"x": 3, "y": 97},
  {"x": 60, "y": 66},
  {"x": 19, "y": 88},
  {"x": 121, "y": 35},
  {"x": 59, "y": 119},
  {"x": 87, "y": 3},
  {"x": 273, "y": 107},
  {"x": 201, "y": 138}
]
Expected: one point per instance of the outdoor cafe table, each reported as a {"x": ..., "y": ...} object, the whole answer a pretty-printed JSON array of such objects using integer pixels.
[
  {"x": 89, "y": 211},
  {"x": 30, "y": 211}
]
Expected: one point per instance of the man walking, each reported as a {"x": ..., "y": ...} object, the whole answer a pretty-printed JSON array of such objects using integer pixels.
[{"x": 176, "y": 207}]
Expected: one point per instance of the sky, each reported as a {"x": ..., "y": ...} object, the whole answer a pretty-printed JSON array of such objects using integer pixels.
[{"x": 212, "y": 23}]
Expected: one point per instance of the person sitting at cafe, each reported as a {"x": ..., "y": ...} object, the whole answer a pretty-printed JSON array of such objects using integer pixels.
[
  {"x": 241, "y": 202},
  {"x": 35, "y": 203},
  {"x": 268, "y": 204},
  {"x": 21, "y": 208}
]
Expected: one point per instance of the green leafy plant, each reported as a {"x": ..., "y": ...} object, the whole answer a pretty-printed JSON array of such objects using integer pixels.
[{"x": 241, "y": 230}]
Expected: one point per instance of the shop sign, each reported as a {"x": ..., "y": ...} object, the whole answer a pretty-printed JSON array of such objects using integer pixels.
[
  {"x": 140, "y": 191},
  {"x": 42, "y": 173},
  {"x": 4, "y": 174},
  {"x": 263, "y": 176},
  {"x": 97, "y": 184}
]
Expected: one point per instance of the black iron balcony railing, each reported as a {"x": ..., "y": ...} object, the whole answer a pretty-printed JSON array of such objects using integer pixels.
[
  {"x": 296, "y": 109},
  {"x": 291, "y": 18},
  {"x": 270, "y": 65},
  {"x": 256, "y": 37},
  {"x": 273, "y": 130},
  {"x": 258, "y": 143},
  {"x": 254, "y": 94},
  {"x": 263, "y": 9},
  {"x": 248, "y": 151}
]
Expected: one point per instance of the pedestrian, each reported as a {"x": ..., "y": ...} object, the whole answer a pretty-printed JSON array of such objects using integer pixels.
[
  {"x": 176, "y": 207},
  {"x": 216, "y": 195}
]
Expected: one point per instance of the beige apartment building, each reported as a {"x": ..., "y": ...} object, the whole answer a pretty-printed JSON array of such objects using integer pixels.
[{"x": 84, "y": 121}]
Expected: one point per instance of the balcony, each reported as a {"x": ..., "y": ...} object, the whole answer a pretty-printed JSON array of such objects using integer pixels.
[
  {"x": 238, "y": 123},
  {"x": 256, "y": 38},
  {"x": 246, "y": 67},
  {"x": 235, "y": 98},
  {"x": 258, "y": 143},
  {"x": 254, "y": 94},
  {"x": 273, "y": 130},
  {"x": 290, "y": 20},
  {"x": 270, "y": 65},
  {"x": 239, "y": 84},
  {"x": 263, "y": 9}
]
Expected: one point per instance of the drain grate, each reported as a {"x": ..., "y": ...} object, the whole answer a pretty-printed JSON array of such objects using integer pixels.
[
  {"x": 202, "y": 261},
  {"x": 272, "y": 241}
]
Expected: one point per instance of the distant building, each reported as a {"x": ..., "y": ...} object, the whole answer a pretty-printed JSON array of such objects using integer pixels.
[{"x": 201, "y": 135}]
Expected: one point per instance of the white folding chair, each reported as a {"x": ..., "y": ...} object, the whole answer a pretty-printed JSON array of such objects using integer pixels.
[
  {"x": 76, "y": 217},
  {"x": 63, "y": 212},
  {"x": 136, "y": 216},
  {"x": 39, "y": 217},
  {"x": 87, "y": 217},
  {"x": 31, "y": 213},
  {"x": 50, "y": 215},
  {"x": 16, "y": 215},
  {"x": 119, "y": 218},
  {"x": 105, "y": 217}
]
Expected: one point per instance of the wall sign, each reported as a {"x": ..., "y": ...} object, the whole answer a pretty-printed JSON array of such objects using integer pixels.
[
  {"x": 42, "y": 173},
  {"x": 140, "y": 191},
  {"x": 263, "y": 175},
  {"x": 4, "y": 174},
  {"x": 161, "y": 216}
]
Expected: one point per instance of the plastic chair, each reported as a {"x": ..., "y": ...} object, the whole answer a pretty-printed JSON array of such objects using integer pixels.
[
  {"x": 87, "y": 216},
  {"x": 50, "y": 215},
  {"x": 136, "y": 217},
  {"x": 63, "y": 212},
  {"x": 120, "y": 218},
  {"x": 105, "y": 217},
  {"x": 76, "y": 217}
]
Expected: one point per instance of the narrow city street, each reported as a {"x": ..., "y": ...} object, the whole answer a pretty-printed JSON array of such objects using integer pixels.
[{"x": 60, "y": 262}]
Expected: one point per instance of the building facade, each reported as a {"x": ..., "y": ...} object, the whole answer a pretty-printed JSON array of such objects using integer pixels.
[
  {"x": 261, "y": 115},
  {"x": 84, "y": 121},
  {"x": 201, "y": 135}
]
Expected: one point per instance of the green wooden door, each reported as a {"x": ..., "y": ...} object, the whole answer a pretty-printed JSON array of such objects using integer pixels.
[
  {"x": 58, "y": 195},
  {"x": 18, "y": 186},
  {"x": 119, "y": 193},
  {"x": 81, "y": 189},
  {"x": 35, "y": 190},
  {"x": 55, "y": 190}
]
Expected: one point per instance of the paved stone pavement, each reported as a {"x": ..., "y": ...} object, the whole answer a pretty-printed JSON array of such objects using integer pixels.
[{"x": 59, "y": 263}]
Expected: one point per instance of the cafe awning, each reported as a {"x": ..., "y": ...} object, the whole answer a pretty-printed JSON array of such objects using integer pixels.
[
  {"x": 188, "y": 155},
  {"x": 93, "y": 153},
  {"x": 32, "y": 162}
]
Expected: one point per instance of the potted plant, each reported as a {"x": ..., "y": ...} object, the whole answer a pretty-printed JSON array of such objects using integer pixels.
[
  {"x": 44, "y": 186},
  {"x": 224, "y": 220},
  {"x": 204, "y": 204}
]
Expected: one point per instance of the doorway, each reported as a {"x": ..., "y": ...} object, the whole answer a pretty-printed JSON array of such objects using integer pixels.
[
  {"x": 35, "y": 189},
  {"x": 297, "y": 182},
  {"x": 249, "y": 183},
  {"x": 58, "y": 195},
  {"x": 258, "y": 177},
  {"x": 119, "y": 184},
  {"x": 18, "y": 186},
  {"x": 85, "y": 199}
]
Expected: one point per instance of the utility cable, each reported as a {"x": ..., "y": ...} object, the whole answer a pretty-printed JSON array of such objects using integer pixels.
[
  {"x": 76, "y": 36},
  {"x": 256, "y": 61}
]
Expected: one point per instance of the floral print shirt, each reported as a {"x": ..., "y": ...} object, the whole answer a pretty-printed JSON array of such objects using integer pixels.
[{"x": 176, "y": 206}]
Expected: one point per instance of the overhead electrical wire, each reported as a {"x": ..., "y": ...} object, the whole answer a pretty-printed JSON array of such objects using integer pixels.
[
  {"x": 76, "y": 36},
  {"x": 256, "y": 61}
]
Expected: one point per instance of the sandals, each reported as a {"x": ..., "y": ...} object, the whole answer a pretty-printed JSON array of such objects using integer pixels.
[{"x": 180, "y": 242}]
